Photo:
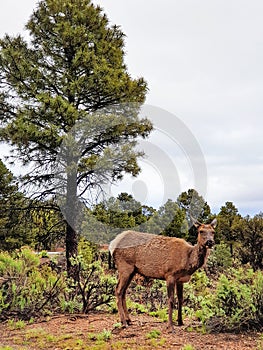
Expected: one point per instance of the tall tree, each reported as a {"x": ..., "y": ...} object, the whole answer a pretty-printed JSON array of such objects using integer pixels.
[
  {"x": 47, "y": 225},
  {"x": 72, "y": 67},
  {"x": 39, "y": 228},
  {"x": 112, "y": 216},
  {"x": 228, "y": 224},
  {"x": 168, "y": 220},
  {"x": 195, "y": 207},
  {"x": 13, "y": 233},
  {"x": 250, "y": 236}
]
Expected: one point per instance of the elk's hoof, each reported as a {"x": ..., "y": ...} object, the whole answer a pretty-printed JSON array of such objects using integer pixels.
[
  {"x": 117, "y": 330},
  {"x": 170, "y": 329},
  {"x": 126, "y": 323}
]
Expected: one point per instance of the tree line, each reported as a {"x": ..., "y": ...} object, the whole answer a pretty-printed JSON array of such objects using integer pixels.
[{"x": 43, "y": 227}]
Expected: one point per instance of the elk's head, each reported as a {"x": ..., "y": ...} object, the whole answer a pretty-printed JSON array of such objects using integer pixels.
[{"x": 206, "y": 233}]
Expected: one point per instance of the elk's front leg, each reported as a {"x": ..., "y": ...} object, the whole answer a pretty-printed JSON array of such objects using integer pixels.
[
  {"x": 170, "y": 291},
  {"x": 179, "y": 291}
]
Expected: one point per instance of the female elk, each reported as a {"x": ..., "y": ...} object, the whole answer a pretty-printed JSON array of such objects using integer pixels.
[{"x": 171, "y": 259}]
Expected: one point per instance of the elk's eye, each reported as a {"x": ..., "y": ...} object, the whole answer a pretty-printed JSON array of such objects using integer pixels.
[{"x": 202, "y": 231}]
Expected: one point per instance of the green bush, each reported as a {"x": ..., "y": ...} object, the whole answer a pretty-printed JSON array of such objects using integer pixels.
[
  {"x": 87, "y": 250},
  {"x": 93, "y": 288},
  {"x": 220, "y": 259},
  {"x": 196, "y": 290},
  {"x": 151, "y": 293},
  {"x": 188, "y": 347},
  {"x": 27, "y": 289},
  {"x": 154, "y": 334},
  {"x": 236, "y": 304},
  {"x": 31, "y": 290}
]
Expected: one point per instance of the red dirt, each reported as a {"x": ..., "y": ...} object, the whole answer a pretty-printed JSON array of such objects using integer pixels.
[{"x": 134, "y": 337}]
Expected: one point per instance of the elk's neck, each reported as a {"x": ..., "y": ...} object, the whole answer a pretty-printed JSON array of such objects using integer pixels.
[{"x": 197, "y": 257}]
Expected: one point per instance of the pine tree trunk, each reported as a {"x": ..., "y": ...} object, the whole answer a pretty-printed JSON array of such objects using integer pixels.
[
  {"x": 71, "y": 251},
  {"x": 71, "y": 233}
]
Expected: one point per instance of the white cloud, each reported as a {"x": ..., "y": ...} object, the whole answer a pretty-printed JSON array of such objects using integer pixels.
[
  {"x": 203, "y": 62},
  {"x": 14, "y": 15}
]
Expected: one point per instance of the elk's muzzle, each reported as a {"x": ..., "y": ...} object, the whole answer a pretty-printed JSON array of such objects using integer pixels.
[{"x": 209, "y": 244}]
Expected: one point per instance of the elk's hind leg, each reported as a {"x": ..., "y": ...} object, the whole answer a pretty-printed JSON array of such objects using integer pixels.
[
  {"x": 126, "y": 273},
  {"x": 170, "y": 283}
]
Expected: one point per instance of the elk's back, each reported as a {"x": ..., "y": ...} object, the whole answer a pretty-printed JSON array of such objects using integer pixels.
[{"x": 151, "y": 255}]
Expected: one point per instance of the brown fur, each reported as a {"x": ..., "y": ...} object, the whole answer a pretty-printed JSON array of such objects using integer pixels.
[{"x": 171, "y": 259}]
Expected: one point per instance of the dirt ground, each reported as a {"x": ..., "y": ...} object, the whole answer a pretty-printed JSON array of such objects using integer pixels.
[{"x": 101, "y": 331}]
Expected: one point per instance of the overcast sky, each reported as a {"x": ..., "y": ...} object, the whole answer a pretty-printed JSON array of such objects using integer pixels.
[{"x": 203, "y": 61}]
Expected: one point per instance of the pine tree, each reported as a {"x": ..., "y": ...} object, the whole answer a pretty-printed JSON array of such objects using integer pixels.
[
  {"x": 250, "y": 237},
  {"x": 72, "y": 66},
  {"x": 228, "y": 224},
  {"x": 12, "y": 230},
  {"x": 168, "y": 220},
  {"x": 195, "y": 208}
]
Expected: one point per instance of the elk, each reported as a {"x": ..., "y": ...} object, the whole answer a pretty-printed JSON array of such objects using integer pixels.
[{"x": 155, "y": 256}]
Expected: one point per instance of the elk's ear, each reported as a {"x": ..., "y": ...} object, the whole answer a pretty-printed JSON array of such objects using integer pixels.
[{"x": 213, "y": 223}]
